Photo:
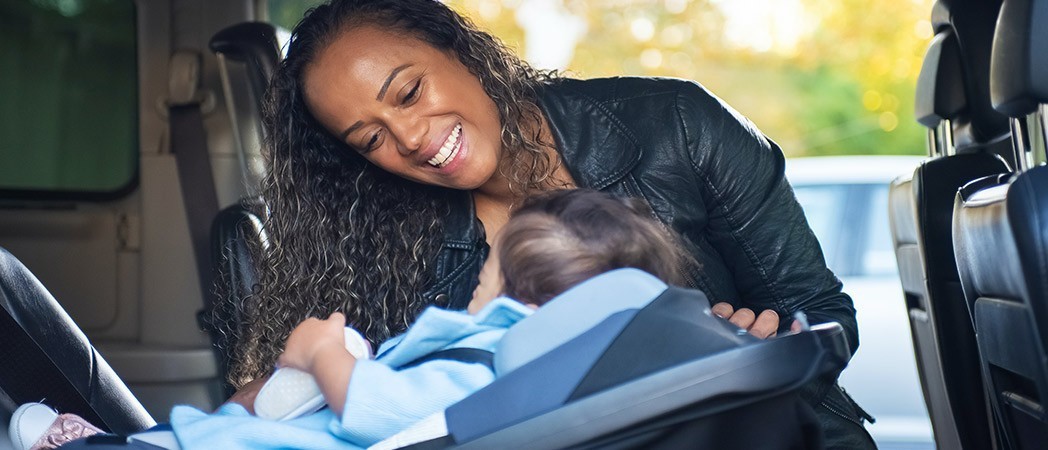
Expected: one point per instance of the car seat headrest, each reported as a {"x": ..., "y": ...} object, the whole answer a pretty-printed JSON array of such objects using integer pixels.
[
  {"x": 940, "y": 17},
  {"x": 573, "y": 312},
  {"x": 972, "y": 25},
  {"x": 1019, "y": 60},
  {"x": 940, "y": 86}
]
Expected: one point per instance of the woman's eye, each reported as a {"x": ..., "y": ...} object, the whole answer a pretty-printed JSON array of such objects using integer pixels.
[
  {"x": 372, "y": 143},
  {"x": 412, "y": 93}
]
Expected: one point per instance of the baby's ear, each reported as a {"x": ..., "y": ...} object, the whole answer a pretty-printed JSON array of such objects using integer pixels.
[{"x": 531, "y": 305}]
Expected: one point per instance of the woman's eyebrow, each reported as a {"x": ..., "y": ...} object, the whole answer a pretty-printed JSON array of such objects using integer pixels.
[
  {"x": 351, "y": 129},
  {"x": 392, "y": 75}
]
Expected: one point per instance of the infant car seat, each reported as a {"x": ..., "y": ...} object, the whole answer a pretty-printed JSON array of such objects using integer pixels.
[{"x": 625, "y": 361}]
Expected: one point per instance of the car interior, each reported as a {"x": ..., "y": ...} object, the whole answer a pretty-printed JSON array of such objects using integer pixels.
[
  {"x": 113, "y": 290},
  {"x": 956, "y": 233}
]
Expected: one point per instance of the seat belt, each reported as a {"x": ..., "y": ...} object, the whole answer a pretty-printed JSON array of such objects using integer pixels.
[
  {"x": 460, "y": 354},
  {"x": 189, "y": 145}
]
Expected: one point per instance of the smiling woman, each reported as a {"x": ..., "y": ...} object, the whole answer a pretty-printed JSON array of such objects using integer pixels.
[
  {"x": 400, "y": 137},
  {"x": 356, "y": 110}
]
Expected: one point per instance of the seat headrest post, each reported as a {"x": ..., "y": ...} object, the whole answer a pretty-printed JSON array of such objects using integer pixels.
[
  {"x": 945, "y": 133},
  {"x": 933, "y": 143},
  {"x": 1043, "y": 112},
  {"x": 1036, "y": 138},
  {"x": 234, "y": 123},
  {"x": 1020, "y": 144}
]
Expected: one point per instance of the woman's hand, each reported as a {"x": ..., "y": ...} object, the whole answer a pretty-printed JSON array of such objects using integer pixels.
[
  {"x": 763, "y": 326},
  {"x": 245, "y": 396},
  {"x": 311, "y": 338}
]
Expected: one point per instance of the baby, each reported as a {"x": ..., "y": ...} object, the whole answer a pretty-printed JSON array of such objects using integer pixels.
[{"x": 551, "y": 243}]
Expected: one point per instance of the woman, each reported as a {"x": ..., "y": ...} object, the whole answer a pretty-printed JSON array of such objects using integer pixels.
[{"x": 400, "y": 136}]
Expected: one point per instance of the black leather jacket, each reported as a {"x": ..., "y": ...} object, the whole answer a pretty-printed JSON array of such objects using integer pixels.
[
  {"x": 704, "y": 169},
  {"x": 711, "y": 175}
]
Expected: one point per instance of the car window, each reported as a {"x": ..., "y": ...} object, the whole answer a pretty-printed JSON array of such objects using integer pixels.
[
  {"x": 68, "y": 81},
  {"x": 287, "y": 13},
  {"x": 878, "y": 258},
  {"x": 824, "y": 207}
]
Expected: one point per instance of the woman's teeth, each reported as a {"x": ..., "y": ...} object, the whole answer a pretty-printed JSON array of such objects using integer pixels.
[{"x": 449, "y": 150}]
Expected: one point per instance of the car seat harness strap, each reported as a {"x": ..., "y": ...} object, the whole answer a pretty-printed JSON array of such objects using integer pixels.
[{"x": 461, "y": 354}]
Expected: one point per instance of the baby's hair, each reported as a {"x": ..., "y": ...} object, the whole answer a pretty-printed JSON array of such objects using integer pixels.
[{"x": 560, "y": 238}]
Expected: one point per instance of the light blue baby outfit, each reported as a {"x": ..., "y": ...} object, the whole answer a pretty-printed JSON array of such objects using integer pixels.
[{"x": 380, "y": 401}]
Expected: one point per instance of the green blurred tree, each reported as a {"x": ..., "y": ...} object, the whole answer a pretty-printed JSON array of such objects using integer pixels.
[{"x": 841, "y": 83}]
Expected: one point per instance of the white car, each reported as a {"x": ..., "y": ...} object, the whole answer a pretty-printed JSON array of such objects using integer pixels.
[{"x": 845, "y": 199}]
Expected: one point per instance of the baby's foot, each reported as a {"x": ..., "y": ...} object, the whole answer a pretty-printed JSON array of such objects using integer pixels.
[{"x": 35, "y": 426}]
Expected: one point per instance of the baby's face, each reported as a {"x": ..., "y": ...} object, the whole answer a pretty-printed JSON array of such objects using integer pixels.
[{"x": 490, "y": 283}]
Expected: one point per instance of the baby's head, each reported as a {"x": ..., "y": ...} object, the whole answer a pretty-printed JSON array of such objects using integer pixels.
[{"x": 562, "y": 238}]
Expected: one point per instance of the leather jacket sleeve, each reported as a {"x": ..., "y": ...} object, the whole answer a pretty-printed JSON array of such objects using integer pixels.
[{"x": 755, "y": 222}]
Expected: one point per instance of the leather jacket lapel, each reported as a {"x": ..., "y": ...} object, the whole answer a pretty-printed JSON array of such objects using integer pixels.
[
  {"x": 461, "y": 256},
  {"x": 462, "y": 229}
]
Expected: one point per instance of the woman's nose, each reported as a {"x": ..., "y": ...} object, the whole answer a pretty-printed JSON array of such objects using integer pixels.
[{"x": 410, "y": 131}]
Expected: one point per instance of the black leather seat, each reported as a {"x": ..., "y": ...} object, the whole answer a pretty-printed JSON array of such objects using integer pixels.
[
  {"x": 902, "y": 216},
  {"x": 921, "y": 208},
  {"x": 935, "y": 185},
  {"x": 233, "y": 232},
  {"x": 238, "y": 227},
  {"x": 46, "y": 356},
  {"x": 1001, "y": 252},
  {"x": 1001, "y": 225}
]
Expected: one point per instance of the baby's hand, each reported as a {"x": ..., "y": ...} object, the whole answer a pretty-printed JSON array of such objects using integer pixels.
[{"x": 311, "y": 338}]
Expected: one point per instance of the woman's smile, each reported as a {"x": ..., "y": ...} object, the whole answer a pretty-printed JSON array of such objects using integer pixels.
[{"x": 449, "y": 149}]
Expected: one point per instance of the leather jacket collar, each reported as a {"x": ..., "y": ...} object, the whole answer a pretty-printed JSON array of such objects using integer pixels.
[
  {"x": 462, "y": 229},
  {"x": 583, "y": 130}
]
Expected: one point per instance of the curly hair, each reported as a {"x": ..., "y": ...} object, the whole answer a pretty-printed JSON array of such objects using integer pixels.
[{"x": 343, "y": 235}]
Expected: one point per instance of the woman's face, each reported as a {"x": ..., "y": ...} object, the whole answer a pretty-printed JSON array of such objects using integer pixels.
[{"x": 407, "y": 107}]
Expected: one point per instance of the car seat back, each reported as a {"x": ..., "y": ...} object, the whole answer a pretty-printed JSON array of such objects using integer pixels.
[
  {"x": 935, "y": 186},
  {"x": 1000, "y": 254},
  {"x": 925, "y": 342},
  {"x": 46, "y": 356},
  {"x": 655, "y": 369},
  {"x": 234, "y": 231},
  {"x": 576, "y": 311},
  {"x": 238, "y": 227},
  {"x": 1000, "y": 235},
  {"x": 920, "y": 208}
]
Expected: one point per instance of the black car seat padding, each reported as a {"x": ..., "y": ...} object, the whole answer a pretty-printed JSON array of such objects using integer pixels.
[
  {"x": 1000, "y": 252},
  {"x": 940, "y": 92},
  {"x": 646, "y": 376},
  {"x": 935, "y": 185},
  {"x": 47, "y": 358},
  {"x": 1019, "y": 62},
  {"x": 233, "y": 231}
]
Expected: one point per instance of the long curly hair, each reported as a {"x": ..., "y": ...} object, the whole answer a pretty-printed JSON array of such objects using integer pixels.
[{"x": 343, "y": 235}]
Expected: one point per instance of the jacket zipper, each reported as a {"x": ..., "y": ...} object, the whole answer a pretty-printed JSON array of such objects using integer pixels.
[{"x": 842, "y": 415}]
